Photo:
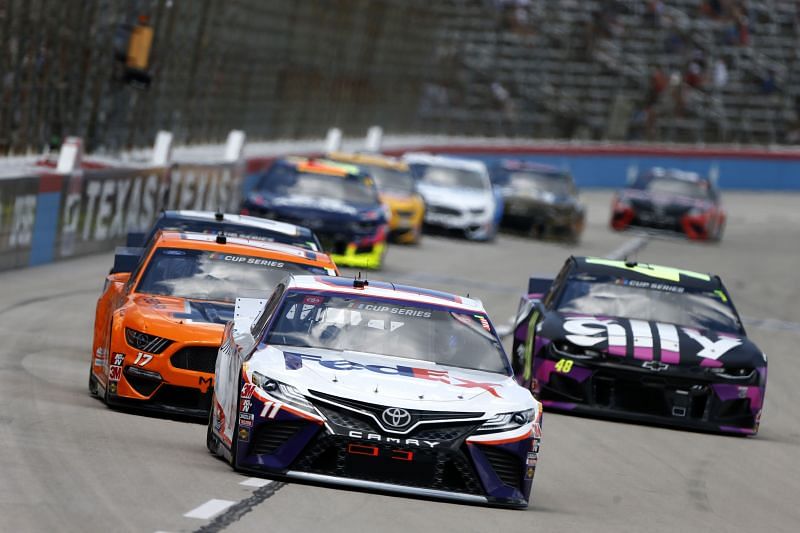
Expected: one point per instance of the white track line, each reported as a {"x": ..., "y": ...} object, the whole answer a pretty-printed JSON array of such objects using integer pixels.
[
  {"x": 629, "y": 247},
  {"x": 209, "y": 509},
  {"x": 256, "y": 482}
]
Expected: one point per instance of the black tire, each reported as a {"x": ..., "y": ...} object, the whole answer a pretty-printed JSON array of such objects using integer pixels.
[
  {"x": 211, "y": 441},
  {"x": 94, "y": 387},
  {"x": 235, "y": 438}
]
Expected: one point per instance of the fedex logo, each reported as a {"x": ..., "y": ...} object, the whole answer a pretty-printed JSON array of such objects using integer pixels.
[
  {"x": 441, "y": 376},
  {"x": 589, "y": 331}
]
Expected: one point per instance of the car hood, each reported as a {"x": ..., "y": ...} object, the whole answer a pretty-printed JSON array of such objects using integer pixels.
[
  {"x": 316, "y": 208},
  {"x": 171, "y": 310},
  {"x": 400, "y": 382},
  {"x": 663, "y": 199},
  {"x": 456, "y": 197},
  {"x": 640, "y": 341}
]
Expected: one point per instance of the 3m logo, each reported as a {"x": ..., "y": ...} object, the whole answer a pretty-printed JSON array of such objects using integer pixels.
[
  {"x": 114, "y": 373},
  {"x": 247, "y": 391}
]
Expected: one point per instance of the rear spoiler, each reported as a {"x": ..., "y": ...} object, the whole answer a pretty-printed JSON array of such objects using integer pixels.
[
  {"x": 135, "y": 239},
  {"x": 126, "y": 258},
  {"x": 537, "y": 288}
]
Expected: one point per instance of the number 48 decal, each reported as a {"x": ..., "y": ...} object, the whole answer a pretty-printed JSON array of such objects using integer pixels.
[{"x": 564, "y": 365}]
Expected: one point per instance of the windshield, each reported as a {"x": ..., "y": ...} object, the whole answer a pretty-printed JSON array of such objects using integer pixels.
[
  {"x": 658, "y": 302},
  {"x": 390, "y": 180},
  {"x": 385, "y": 327},
  {"x": 204, "y": 275},
  {"x": 284, "y": 181},
  {"x": 452, "y": 177},
  {"x": 535, "y": 182},
  {"x": 236, "y": 230},
  {"x": 673, "y": 186}
]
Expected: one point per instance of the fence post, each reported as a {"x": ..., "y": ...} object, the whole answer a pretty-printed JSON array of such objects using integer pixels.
[
  {"x": 374, "y": 139},
  {"x": 70, "y": 156},
  {"x": 162, "y": 150},
  {"x": 333, "y": 141},
  {"x": 234, "y": 147}
]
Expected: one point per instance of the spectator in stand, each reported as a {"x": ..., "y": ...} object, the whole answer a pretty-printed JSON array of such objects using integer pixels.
[
  {"x": 769, "y": 84},
  {"x": 694, "y": 76},
  {"x": 655, "y": 10},
  {"x": 720, "y": 76}
]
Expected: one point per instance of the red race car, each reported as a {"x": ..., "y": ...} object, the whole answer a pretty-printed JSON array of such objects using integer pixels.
[{"x": 670, "y": 200}]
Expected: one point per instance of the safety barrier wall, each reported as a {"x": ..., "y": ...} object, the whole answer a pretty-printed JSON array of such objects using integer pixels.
[
  {"x": 46, "y": 216},
  {"x": 610, "y": 166}
]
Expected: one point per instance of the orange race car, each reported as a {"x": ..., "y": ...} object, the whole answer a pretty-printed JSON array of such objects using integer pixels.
[
  {"x": 157, "y": 329},
  {"x": 397, "y": 189}
]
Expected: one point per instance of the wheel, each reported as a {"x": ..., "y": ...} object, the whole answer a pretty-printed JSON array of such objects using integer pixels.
[
  {"x": 235, "y": 438},
  {"x": 211, "y": 441},
  {"x": 93, "y": 385}
]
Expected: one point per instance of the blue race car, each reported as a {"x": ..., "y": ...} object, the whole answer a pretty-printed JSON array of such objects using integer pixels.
[{"x": 339, "y": 202}]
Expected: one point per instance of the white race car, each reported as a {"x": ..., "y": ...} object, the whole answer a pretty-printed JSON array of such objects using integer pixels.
[
  {"x": 458, "y": 194},
  {"x": 376, "y": 386}
]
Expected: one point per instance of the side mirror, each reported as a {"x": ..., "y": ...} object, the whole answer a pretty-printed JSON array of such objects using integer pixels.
[
  {"x": 126, "y": 259},
  {"x": 135, "y": 239}
]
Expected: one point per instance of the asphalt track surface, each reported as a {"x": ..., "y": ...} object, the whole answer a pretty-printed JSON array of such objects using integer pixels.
[{"x": 68, "y": 463}]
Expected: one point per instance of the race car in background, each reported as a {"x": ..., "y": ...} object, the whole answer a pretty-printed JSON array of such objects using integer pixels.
[
  {"x": 639, "y": 342},
  {"x": 672, "y": 200},
  {"x": 338, "y": 202},
  {"x": 126, "y": 258},
  {"x": 458, "y": 194},
  {"x": 376, "y": 386},
  {"x": 539, "y": 200},
  {"x": 157, "y": 329},
  {"x": 397, "y": 189}
]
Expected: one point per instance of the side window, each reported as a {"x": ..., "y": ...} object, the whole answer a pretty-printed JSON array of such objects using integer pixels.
[
  {"x": 558, "y": 283},
  {"x": 261, "y": 322}
]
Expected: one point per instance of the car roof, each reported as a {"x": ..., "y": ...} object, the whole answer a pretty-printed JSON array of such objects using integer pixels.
[
  {"x": 420, "y": 158},
  {"x": 205, "y": 241},
  {"x": 531, "y": 166},
  {"x": 386, "y": 290},
  {"x": 243, "y": 220},
  {"x": 312, "y": 165},
  {"x": 378, "y": 160},
  {"x": 674, "y": 173},
  {"x": 598, "y": 266}
]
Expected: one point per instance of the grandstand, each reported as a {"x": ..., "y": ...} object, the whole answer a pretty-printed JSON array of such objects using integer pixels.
[{"x": 679, "y": 70}]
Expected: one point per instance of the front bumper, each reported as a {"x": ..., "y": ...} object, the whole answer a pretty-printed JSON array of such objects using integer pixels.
[
  {"x": 161, "y": 386},
  {"x": 683, "y": 398},
  {"x": 435, "y": 462},
  {"x": 475, "y": 227}
]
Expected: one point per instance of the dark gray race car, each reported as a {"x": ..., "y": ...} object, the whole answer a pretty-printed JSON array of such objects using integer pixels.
[{"x": 540, "y": 200}]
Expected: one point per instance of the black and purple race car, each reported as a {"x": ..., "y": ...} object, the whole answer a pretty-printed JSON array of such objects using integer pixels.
[{"x": 639, "y": 342}]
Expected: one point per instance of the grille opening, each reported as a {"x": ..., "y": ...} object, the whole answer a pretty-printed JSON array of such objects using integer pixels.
[
  {"x": 182, "y": 397},
  {"x": 698, "y": 408},
  {"x": 270, "y": 437},
  {"x": 446, "y": 470},
  {"x": 735, "y": 408},
  {"x": 603, "y": 391},
  {"x": 142, "y": 385},
  {"x": 197, "y": 358},
  {"x": 634, "y": 397},
  {"x": 507, "y": 467},
  {"x": 561, "y": 387}
]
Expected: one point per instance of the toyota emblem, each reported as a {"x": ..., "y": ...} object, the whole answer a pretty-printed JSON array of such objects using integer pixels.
[{"x": 396, "y": 417}]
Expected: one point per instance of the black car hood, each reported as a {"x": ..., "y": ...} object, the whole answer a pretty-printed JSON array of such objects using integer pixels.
[
  {"x": 645, "y": 198},
  {"x": 642, "y": 341}
]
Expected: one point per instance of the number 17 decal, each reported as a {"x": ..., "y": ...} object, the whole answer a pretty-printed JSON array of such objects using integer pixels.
[{"x": 142, "y": 359}]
